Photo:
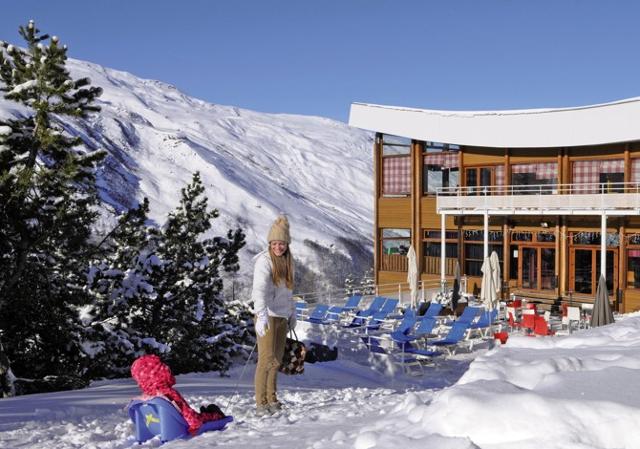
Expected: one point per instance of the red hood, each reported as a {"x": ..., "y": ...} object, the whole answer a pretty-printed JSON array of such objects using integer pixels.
[{"x": 152, "y": 375}]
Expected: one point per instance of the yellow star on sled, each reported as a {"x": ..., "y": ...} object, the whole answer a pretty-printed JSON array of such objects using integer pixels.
[{"x": 149, "y": 418}]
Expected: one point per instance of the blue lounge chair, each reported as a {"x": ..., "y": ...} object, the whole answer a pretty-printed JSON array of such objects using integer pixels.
[
  {"x": 352, "y": 304},
  {"x": 408, "y": 357},
  {"x": 158, "y": 417},
  {"x": 425, "y": 327},
  {"x": 484, "y": 322},
  {"x": 360, "y": 318},
  {"x": 433, "y": 310},
  {"x": 318, "y": 314},
  {"x": 374, "y": 307},
  {"x": 454, "y": 337},
  {"x": 301, "y": 310},
  {"x": 468, "y": 315}
]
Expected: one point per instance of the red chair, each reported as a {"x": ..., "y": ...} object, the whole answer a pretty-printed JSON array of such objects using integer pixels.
[
  {"x": 513, "y": 324},
  {"x": 528, "y": 322},
  {"x": 541, "y": 327}
]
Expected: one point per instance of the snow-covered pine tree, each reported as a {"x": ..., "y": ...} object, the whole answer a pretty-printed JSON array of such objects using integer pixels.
[
  {"x": 119, "y": 281},
  {"x": 189, "y": 313},
  {"x": 350, "y": 285},
  {"x": 47, "y": 194},
  {"x": 368, "y": 283}
]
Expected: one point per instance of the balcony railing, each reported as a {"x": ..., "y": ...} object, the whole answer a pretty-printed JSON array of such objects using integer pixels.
[
  {"x": 543, "y": 189},
  {"x": 614, "y": 198}
]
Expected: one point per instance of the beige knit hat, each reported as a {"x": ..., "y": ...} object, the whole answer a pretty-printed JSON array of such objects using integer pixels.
[{"x": 280, "y": 230}]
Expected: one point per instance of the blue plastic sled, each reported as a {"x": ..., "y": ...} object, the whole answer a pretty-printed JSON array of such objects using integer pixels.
[{"x": 158, "y": 417}]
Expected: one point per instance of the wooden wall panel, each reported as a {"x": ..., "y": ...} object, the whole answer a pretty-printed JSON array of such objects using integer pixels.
[
  {"x": 429, "y": 218},
  {"x": 394, "y": 213},
  {"x": 631, "y": 301}
]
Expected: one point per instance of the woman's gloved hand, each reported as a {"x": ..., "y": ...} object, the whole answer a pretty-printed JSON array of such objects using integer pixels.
[{"x": 262, "y": 324}]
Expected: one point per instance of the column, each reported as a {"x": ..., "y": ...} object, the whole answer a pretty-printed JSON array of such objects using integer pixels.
[
  {"x": 603, "y": 245},
  {"x": 443, "y": 246},
  {"x": 486, "y": 234}
]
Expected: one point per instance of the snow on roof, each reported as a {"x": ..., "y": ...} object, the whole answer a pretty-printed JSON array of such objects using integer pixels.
[{"x": 526, "y": 128}]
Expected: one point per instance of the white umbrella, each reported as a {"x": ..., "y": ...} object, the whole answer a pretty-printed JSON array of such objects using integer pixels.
[
  {"x": 490, "y": 287},
  {"x": 412, "y": 276}
]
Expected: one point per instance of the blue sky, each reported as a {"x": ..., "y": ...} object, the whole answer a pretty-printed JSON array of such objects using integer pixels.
[{"x": 316, "y": 57}]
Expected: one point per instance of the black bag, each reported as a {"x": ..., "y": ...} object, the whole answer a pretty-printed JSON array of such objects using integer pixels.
[
  {"x": 293, "y": 358},
  {"x": 321, "y": 353}
]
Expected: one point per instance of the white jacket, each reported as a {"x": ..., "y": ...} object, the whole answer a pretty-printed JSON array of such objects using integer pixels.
[{"x": 277, "y": 301}]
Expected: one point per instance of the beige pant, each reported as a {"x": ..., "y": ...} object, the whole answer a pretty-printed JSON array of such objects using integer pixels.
[{"x": 270, "y": 352}]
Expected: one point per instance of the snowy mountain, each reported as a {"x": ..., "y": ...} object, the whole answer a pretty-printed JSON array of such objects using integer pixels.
[{"x": 254, "y": 165}]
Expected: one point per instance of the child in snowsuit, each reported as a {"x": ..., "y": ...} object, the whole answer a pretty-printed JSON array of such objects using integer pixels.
[{"x": 155, "y": 378}]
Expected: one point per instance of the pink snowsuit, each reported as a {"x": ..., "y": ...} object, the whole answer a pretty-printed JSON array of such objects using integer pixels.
[{"x": 155, "y": 378}]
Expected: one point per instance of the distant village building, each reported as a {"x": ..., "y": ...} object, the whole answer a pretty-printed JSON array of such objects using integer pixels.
[{"x": 555, "y": 192}]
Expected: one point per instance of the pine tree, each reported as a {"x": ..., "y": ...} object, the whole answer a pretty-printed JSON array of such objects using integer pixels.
[
  {"x": 119, "y": 280},
  {"x": 47, "y": 194},
  {"x": 368, "y": 283},
  {"x": 159, "y": 290},
  {"x": 191, "y": 316}
]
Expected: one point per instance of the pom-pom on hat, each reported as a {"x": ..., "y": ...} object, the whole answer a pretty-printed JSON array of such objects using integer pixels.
[{"x": 280, "y": 230}]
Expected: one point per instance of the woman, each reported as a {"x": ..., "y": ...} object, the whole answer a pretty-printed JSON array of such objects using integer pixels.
[{"x": 272, "y": 297}]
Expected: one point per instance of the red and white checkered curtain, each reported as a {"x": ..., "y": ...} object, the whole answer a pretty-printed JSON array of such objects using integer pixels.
[
  {"x": 499, "y": 175},
  {"x": 635, "y": 170},
  {"x": 445, "y": 159},
  {"x": 588, "y": 172},
  {"x": 548, "y": 170},
  {"x": 396, "y": 175},
  {"x": 612, "y": 166}
]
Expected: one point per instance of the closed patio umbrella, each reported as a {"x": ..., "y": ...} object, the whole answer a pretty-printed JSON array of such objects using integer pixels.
[
  {"x": 490, "y": 287},
  {"x": 412, "y": 276},
  {"x": 602, "y": 314},
  {"x": 455, "y": 296}
]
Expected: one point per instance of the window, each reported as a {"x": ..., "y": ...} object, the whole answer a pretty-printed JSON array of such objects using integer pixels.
[
  {"x": 396, "y": 166},
  {"x": 474, "y": 252},
  {"x": 395, "y": 246},
  {"x": 483, "y": 180},
  {"x": 440, "y": 170},
  {"x": 593, "y": 238},
  {"x": 432, "y": 250},
  {"x": 600, "y": 176},
  {"x": 532, "y": 177},
  {"x": 633, "y": 261}
]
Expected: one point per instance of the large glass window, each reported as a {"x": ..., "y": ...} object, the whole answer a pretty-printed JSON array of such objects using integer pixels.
[
  {"x": 432, "y": 251},
  {"x": 484, "y": 180},
  {"x": 396, "y": 166},
  {"x": 395, "y": 245},
  {"x": 474, "y": 251},
  {"x": 440, "y": 170},
  {"x": 531, "y": 178},
  {"x": 599, "y": 176},
  {"x": 633, "y": 261}
]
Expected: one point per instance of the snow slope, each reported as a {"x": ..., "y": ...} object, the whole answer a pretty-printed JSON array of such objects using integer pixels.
[
  {"x": 575, "y": 391},
  {"x": 254, "y": 165}
]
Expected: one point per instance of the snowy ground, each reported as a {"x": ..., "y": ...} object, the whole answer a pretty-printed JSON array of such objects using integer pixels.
[{"x": 576, "y": 391}]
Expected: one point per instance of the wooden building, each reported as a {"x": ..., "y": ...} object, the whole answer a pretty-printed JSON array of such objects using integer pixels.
[{"x": 555, "y": 192}]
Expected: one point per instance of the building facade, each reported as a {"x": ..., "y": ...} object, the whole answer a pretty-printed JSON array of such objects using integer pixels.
[{"x": 555, "y": 192}]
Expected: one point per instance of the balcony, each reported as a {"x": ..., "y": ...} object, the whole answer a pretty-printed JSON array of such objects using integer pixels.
[{"x": 545, "y": 199}]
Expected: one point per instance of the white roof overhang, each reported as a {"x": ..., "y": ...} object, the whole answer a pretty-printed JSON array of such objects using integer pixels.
[{"x": 533, "y": 128}]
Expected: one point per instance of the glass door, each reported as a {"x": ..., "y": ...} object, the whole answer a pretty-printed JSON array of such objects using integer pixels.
[
  {"x": 612, "y": 271},
  {"x": 477, "y": 178},
  {"x": 582, "y": 271},
  {"x": 536, "y": 267},
  {"x": 529, "y": 268},
  {"x": 585, "y": 270}
]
